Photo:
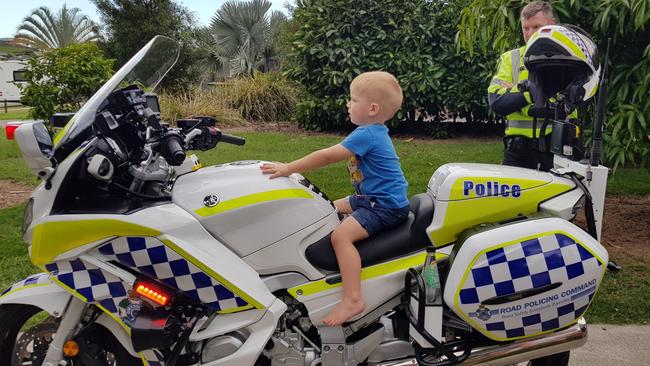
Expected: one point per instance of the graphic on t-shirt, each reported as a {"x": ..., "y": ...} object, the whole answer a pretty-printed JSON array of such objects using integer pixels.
[{"x": 355, "y": 173}]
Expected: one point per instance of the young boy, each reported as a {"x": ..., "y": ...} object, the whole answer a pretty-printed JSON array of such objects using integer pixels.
[{"x": 380, "y": 201}]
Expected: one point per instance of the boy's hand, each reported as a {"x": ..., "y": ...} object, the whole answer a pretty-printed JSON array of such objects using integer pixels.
[{"x": 276, "y": 170}]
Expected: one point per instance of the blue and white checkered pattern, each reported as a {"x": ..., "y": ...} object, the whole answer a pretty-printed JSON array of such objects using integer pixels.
[
  {"x": 153, "y": 258},
  {"x": 37, "y": 279},
  {"x": 98, "y": 286},
  {"x": 95, "y": 284},
  {"x": 554, "y": 258}
]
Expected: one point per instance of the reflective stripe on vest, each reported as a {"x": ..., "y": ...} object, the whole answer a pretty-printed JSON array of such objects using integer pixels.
[
  {"x": 520, "y": 123},
  {"x": 516, "y": 56},
  {"x": 525, "y": 128}
]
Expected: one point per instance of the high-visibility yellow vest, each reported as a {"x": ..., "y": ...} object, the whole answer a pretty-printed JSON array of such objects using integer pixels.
[{"x": 510, "y": 72}]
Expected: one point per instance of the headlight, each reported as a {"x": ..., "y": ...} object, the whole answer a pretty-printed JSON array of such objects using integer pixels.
[{"x": 28, "y": 215}]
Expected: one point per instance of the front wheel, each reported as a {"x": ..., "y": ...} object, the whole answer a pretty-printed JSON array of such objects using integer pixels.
[{"x": 26, "y": 332}]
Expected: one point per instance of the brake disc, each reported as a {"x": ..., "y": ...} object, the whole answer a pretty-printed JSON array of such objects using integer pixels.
[{"x": 31, "y": 346}]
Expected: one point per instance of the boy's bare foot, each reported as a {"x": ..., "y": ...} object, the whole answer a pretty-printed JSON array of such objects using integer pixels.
[{"x": 345, "y": 310}]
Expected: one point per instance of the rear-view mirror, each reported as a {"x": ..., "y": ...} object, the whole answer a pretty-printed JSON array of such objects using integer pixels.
[{"x": 36, "y": 146}]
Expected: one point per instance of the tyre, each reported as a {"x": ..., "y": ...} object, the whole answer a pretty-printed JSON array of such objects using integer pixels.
[{"x": 26, "y": 332}]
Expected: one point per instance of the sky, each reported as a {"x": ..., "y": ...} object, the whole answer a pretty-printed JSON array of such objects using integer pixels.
[{"x": 11, "y": 16}]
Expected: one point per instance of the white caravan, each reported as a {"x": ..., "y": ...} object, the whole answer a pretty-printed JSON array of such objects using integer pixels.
[{"x": 12, "y": 73}]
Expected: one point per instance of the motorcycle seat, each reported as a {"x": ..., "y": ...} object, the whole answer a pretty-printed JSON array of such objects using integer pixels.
[{"x": 404, "y": 239}]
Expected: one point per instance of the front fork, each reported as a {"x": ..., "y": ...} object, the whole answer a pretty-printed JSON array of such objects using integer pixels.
[{"x": 69, "y": 321}]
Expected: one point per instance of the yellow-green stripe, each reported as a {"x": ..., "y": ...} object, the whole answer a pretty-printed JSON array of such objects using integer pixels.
[
  {"x": 278, "y": 194},
  {"x": 53, "y": 238},
  {"x": 24, "y": 288},
  {"x": 569, "y": 43},
  {"x": 366, "y": 273},
  {"x": 236, "y": 310},
  {"x": 62, "y": 133}
]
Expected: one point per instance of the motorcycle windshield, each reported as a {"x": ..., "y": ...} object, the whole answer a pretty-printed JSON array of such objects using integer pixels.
[{"x": 146, "y": 69}]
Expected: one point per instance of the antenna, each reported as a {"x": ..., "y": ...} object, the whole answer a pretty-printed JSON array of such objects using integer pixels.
[{"x": 601, "y": 105}]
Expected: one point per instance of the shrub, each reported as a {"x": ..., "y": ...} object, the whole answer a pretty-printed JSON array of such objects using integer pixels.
[
  {"x": 263, "y": 97},
  {"x": 198, "y": 102},
  {"x": 62, "y": 79}
]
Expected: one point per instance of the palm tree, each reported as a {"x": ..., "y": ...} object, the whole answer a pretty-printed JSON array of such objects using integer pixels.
[
  {"x": 243, "y": 36},
  {"x": 44, "y": 29}
]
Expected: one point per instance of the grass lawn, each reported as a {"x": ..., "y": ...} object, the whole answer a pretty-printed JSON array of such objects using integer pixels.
[
  {"x": 629, "y": 182},
  {"x": 14, "y": 263},
  {"x": 14, "y": 50},
  {"x": 12, "y": 165},
  {"x": 419, "y": 159},
  {"x": 13, "y": 113},
  {"x": 622, "y": 298}
]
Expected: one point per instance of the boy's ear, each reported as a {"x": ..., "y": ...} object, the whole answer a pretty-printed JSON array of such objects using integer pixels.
[{"x": 374, "y": 109}]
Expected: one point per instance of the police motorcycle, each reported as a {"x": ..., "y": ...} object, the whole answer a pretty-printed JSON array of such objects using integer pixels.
[{"x": 148, "y": 258}]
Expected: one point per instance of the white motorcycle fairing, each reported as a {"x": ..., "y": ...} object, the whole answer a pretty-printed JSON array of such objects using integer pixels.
[
  {"x": 261, "y": 220},
  {"x": 38, "y": 290}
]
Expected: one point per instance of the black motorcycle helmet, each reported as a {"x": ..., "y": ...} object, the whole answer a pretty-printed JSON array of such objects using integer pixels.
[{"x": 562, "y": 59}]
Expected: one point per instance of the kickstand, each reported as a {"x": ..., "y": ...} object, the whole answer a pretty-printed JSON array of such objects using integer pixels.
[{"x": 613, "y": 267}]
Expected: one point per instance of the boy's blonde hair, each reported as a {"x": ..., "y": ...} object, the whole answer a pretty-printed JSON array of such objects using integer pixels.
[{"x": 382, "y": 88}]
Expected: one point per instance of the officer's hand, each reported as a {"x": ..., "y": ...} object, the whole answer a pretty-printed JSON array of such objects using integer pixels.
[
  {"x": 527, "y": 86},
  {"x": 523, "y": 86}
]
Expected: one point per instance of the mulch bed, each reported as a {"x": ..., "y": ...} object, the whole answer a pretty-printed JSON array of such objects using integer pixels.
[
  {"x": 626, "y": 230},
  {"x": 13, "y": 194}
]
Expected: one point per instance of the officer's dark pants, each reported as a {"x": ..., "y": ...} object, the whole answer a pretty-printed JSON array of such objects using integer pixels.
[{"x": 524, "y": 152}]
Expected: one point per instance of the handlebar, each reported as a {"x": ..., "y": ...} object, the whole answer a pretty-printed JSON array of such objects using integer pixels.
[
  {"x": 172, "y": 149},
  {"x": 230, "y": 139},
  {"x": 207, "y": 137}
]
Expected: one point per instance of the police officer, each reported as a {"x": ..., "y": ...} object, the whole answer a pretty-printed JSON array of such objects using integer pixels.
[{"x": 510, "y": 96}]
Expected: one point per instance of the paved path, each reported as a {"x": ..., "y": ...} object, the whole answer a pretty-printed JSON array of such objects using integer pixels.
[{"x": 614, "y": 345}]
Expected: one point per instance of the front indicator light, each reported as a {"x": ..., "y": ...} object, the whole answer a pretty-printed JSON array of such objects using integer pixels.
[{"x": 150, "y": 292}]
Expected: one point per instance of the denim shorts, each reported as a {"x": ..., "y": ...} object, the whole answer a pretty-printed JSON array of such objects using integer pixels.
[{"x": 373, "y": 217}]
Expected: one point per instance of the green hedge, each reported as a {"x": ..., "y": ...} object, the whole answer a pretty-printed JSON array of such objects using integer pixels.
[
  {"x": 412, "y": 39},
  {"x": 263, "y": 97}
]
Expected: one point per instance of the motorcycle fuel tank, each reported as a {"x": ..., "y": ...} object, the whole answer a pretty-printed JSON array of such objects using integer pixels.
[
  {"x": 246, "y": 210},
  {"x": 522, "y": 279},
  {"x": 469, "y": 194}
]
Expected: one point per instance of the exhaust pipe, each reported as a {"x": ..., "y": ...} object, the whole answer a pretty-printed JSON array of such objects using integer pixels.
[{"x": 521, "y": 351}]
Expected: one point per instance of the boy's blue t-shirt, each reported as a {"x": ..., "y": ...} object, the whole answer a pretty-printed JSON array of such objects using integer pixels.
[{"x": 375, "y": 170}]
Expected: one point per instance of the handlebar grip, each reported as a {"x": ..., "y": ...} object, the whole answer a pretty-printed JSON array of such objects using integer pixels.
[
  {"x": 174, "y": 152},
  {"x": 232, "y": 139}
]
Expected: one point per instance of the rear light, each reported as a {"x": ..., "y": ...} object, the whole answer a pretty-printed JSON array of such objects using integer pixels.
[
  {"x": 10, "y": 129},
  {"x": 152, "y": 293}
]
